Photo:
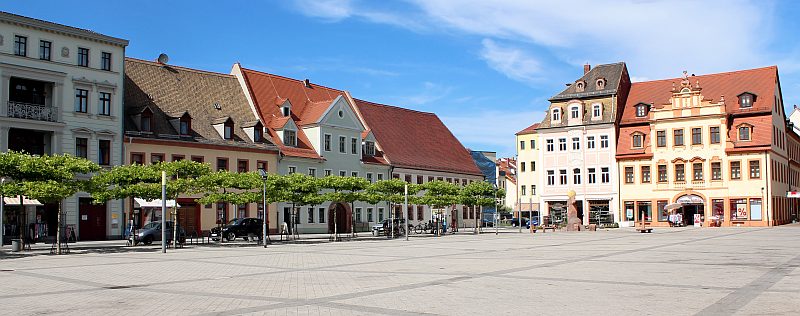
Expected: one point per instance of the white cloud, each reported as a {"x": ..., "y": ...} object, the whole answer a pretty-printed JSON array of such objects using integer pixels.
[
  {"x": 510, "y": 61},
  {"x": 331, "y": 10}
]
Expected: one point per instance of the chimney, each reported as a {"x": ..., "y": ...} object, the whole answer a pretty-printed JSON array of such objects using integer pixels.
[
  {"x": 586, "y": 68},
  {"x": 307, "y": 83}
]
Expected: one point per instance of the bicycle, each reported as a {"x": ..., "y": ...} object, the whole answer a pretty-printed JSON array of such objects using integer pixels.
[{"x": 422, "y": 228}]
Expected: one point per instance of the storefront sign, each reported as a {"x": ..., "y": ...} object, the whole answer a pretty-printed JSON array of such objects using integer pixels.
[
  {"x": 690, "y": 199},
  {"x": 793, "y": 194},
  {"x": 697, "y": 221}
]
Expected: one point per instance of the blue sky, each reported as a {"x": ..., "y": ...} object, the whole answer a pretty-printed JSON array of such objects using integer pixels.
[{"x": 486, "y": 68}]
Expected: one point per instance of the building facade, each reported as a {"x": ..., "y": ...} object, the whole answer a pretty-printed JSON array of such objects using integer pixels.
[
  {"x": 61, "y": 91},
  {"x": 528, "y": 173},
  {"x": 712, "y": 148},
  {"x": 578, "y": 135},
  {"x": 176, "y": 113},
  {"x": 507, "y": 180}
]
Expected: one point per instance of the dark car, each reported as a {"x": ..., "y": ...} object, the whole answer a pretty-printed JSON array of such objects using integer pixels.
[
  {"x": 152, "y": 232},
  {"x": 515, "y": 221},
  {"x": 239, "y": 227}
]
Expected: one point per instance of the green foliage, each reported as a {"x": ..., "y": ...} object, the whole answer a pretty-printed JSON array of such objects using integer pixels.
[
  {"x": 300, "y": 189},
  {"x": 478, "y": 193},
  {"x": 49, "y": 178},
  {"x": 391, "y": 190},
  {"x": 439, "y": 194},
  {"x": 345, "y": 189},
  {"x": 144, "y": 181}
]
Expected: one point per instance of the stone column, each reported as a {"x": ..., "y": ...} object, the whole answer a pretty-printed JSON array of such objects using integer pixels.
[{"x": 4, "y": 138}]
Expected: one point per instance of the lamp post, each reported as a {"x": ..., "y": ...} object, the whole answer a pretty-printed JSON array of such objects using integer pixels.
[
  {"x": 2, "y": 203},
  {"x": 405, "y": 206},
  {"x": 163, "y": 211},
  {"x": 265, "y": 220},
  {"x": 496, "y": 212}
]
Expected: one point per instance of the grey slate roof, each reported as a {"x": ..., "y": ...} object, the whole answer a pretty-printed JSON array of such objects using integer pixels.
[{"x": 612, "y": 74}]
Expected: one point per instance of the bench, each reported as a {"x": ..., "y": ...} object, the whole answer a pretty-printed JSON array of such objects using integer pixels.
[
  {"x": 644, "y": 227},
  {"x": 550, "y": 227}
]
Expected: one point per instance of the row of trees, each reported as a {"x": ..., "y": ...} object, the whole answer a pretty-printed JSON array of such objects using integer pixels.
[{"x": 53, "y": 178}]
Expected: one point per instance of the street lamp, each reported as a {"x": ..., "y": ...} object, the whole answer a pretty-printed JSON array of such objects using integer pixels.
[{"x": 265, "y": 220}]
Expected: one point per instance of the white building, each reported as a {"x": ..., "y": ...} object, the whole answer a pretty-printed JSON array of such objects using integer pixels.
[
  {"x": 579, "y": 140},
  {"x": 61, "y": 92}
]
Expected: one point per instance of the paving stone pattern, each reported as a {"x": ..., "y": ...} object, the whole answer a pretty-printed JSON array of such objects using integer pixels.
[{"x": 678, "y": 271}]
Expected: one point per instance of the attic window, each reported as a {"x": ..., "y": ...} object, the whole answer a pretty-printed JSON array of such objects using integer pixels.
[
  {"x": 638, "y": 140},
  {"x": 744, "y": 132},
  {"x": 369, "y": 148},
  {"x": 600, "y": 84},
  {"x": 746, "y": 100},
  {"x": 574, "y": 112},
  {"x": 596, "y": 110},
  {"x": 556, "y": 114},
  {"x": 579, "y": 86},
  {"x": 641, "y": 110},
  {"x": 290, "y": 138},
  {"x": 286, "y": 111},
  {"x": 186, "y": 125},
  {"x": 258, "y": 130},
  {"x": 228, "y": 130},
  {"x": 146, "y": 121}
]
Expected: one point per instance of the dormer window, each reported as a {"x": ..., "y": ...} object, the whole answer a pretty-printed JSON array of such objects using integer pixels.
[
  {"x": 638, "y": 140},
  {"x": 556, "y": 116},
  {"x": 286, "y": 110},
  {"x": 600, "y": 84},
  {"x": 746, "y": 100},
  {"x": 290, "y": 138},
  {"x": 257, "y": 133},
  {"x": 745, "y": 132},
  {"x": 580, "y": 86},
  {"x": 228, "y": 129},
  {"x": 574, "y": 112},
  {"x": 369, "y": 148},
  {"x": 597, "y": 110},
  {"x": 641, "y": 110},
  {"x": 146, "y": 121},
  {"x": 185, "y": 127}
]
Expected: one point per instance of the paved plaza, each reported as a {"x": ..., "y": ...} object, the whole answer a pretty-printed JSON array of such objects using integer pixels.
[{"x": 680, "y": 271}]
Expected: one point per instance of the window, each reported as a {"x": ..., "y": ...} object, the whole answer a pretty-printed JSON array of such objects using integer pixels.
[
  {"x": 521, "y": 145},
  {"x": 242, "y": 165},
  {"x": 260, "y": 165},
  {"x": 137, "y": 158},
  {"x": 104, "y": 153},
  {"x": 645, "y": 211},
  {"x": 45, "y": 48},
  {"x": 600, "y": 84},
  {"x": 105, "y": 104},
  {"x": 312, "y": 172},
  {"x": 589, "y": 142},
  {"x": 605, "y": 176},
  {"x": 20, "y": 45},
  {"x": 369, "y": 177},
  {"x": 556, "y": 114},
  {"x": 82, "y": 147},
  {"x": 408, "y": 178},
  {"x": 645, "y": 174},
  {"x": 562, "y": 177},
  {"x": 592, "y": 173},
  {"x": 596, "y": 110},
  {"x": 146, "y": 122},
  {"x": 185, "y": 125},
  {"x": 342, "y": 140},
  {"x": 156, "y": 158},
  {"x": 716, "y": 171},
  {"x": 755, "y": 209},
  {"x": 629, "y": 175},
  {"x": 420, "y": 212},
  {"x": 257, "y": 130},
  {"x": 576, "y": 176},
  {"x": 697, "y": 136},
  {"x": 576, "y": 143},
  {"x": 755, "y": 169},
  {"x": 574, "y": 112},
  {"x": 579, "y": 86},
  {"x": 522, "y": 190},
  {"x": 81, "y": 100},
  {"x": 746, "y": 100},
  {"x": 369, "y": 148},
  {"x": 290, "y": 138},
  {"x": 380, "y": 214},
  {"x": 327, "y": 142},
  {"x": 662, "y": 173},
  {"x": 744, "y": 133},
  {"x": 714, "y": 132},
  {"x": 354, "y": 174},
  {"x": 562, "y": 144},
  {"x": 410, "y": 212},
  {"x": 380, "y": 177},
  {"x": 533, "y": 166},
  {"x": 697, "y": 171},
  {"x": 353, "y": 146},
  {"x": 533, "y": 144},
  {"x": 663, "y": 214},
  {"x": 421, "y": 179},
  {"x": 736, "y": 170},
  {"x": 550, "y": 146},
  {"x": 370, "y": 218},
  {"x": 641, "y": 110},
  {"x": 551, "y": 177},
  {"x": 286, "y": 111},
  {"x": 221, "y": 206},
  {"x": 177, "y": 157},
  {"x": 310, "y": 215},
  {"x": 222, "y": 164},
  {"x": 739, "y": 209},
  {"x": 677, "y": 136},
  {"x": 241, "y": 211},
  {"x": 328, "y": 172},
  {"x": 342, "y": 173},
  {"x": 680, "y": 172},
  {"x": 638, "y": 140},
  {"x": 661, "y": 138},
  {"x": 228, "y": 130},
  {"x": 321, "y": 215},
  {"x": 522, "y": 166},
  {"x": 604, "y": 141},
  {"x": 83, "y": 57},
  {"x": 105, "y": 61}
]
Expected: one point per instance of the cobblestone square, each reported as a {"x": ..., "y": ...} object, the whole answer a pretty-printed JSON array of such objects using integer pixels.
[{"x": 676, "y": 271}]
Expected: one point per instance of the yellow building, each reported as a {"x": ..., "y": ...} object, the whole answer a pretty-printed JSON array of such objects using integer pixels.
[
  {"x": 710, "y": 148},
  {"x": 528, "y": 180},
  {"x": 176, "y": 113}
]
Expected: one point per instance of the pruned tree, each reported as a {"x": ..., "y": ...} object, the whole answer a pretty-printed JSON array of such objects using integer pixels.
[
  {"x": 478, "y": 193},
  {"x": 439, "y": 195},
  {"x": 393, "y": 192},
  {"x": 299, "y": 189},
  {"x": 344, "y": 190}
]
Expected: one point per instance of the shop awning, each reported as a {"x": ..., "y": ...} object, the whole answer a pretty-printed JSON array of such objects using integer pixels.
[
  {"x": 139, "y": 203},
  {"x": 673, "y": 206},
  {"x": 25, "y": 201}
]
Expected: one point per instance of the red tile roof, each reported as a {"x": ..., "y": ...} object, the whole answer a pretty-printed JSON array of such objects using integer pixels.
[
  {"x": 416, "y": 140},
  {"x": 529, "y": 130}
]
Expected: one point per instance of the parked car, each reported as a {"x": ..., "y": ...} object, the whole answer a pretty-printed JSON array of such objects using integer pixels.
[
  {"x": 152, "y": 232},
  {"x": 515, "y": 221},
  {"x": 239, "y": 227}
]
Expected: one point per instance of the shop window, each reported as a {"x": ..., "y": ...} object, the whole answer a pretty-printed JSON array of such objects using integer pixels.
[
  {"x": 645, "y": 210},
  {"x": 629, "y": 211},
  {"x": 663, "y": 214},
  {"x": 755, "y": 209},
  {"x": 739, "y": 209},
  {"x": 718, "y": 209}
]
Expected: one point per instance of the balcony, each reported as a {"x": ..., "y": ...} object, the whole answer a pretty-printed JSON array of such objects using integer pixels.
[{"x": 30, "y": 111}]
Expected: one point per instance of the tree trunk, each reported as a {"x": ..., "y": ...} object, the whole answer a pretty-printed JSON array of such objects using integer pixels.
[
  {"x": 58, "y": 229},
  {"x": 352, "y": 220}
]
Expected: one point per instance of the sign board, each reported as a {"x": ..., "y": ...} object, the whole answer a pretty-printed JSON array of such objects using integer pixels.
[
  {"x": 793, "y": 194},
  {"x": 697, "y": 221},
  {"x": 690, "y": 199},
  {"x": 84, "y": 217}
]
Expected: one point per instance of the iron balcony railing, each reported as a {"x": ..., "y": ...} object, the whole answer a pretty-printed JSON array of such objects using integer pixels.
[{"x": 30, "y": 111}]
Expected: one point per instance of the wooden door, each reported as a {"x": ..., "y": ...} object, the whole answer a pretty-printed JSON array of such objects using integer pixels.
[{"x": 91, "y": 219}]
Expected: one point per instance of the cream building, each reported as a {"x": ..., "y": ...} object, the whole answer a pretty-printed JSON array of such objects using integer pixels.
[
  {"x": 61, "y": 91},
  {"x": 711, "y": 148},
  {"x": 528, "y": 175},
  {"x": 506, "y": 176}
]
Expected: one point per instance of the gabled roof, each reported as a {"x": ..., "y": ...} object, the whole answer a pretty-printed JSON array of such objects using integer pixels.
[
  {"x": 529, "y": 130},
  {"x": 170, "y": 90},
  {"x": 416, "y": 140},
  {"x": 610, "y": 72}
]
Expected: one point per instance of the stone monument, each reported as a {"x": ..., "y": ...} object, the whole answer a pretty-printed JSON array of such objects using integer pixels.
[{"x": 573, "y": 222}]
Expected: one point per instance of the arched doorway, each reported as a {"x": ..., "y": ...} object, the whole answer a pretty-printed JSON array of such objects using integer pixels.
[
  {"x": 340, "y": 215},
  {"x": 693, "y": 209}
]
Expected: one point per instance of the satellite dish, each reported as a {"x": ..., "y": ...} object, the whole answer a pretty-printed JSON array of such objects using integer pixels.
[{"x": 163, "y": 58}]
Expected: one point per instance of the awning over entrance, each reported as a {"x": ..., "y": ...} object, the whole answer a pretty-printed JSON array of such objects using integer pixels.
[
  {"x": 139, "y": 203},
  {"x": 673, "y": 206},
  {"x": 25, "y": 201},
  {"x": 690, "y": 199}
]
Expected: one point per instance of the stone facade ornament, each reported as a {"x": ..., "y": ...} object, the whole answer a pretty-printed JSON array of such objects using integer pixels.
[{"x": 64, "y": 52}]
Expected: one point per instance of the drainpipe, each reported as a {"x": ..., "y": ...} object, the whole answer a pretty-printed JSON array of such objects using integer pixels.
[
  {"x": 768, "y": 193},
  {"x": 122, "y": 219}
]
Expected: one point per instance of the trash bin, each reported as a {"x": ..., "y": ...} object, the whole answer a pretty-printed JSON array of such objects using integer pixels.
[{"x": 16, "y": 245}]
